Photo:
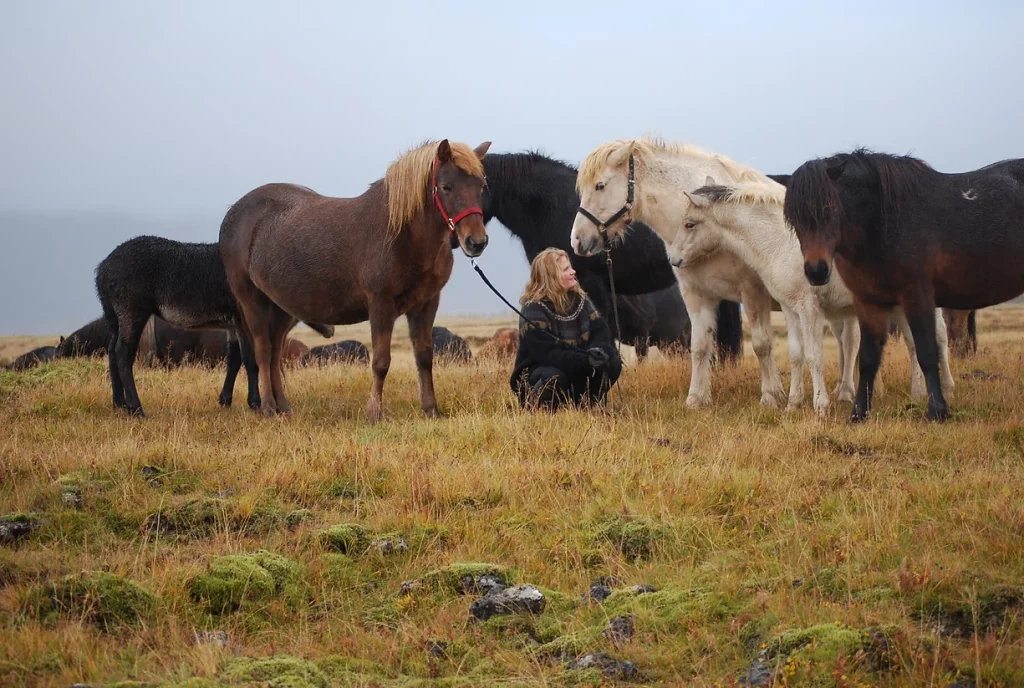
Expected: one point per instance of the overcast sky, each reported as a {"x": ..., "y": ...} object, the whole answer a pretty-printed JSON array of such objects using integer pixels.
[{"x": 123, "y": 118}]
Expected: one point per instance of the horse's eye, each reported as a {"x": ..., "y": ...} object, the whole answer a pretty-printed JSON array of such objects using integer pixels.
[
  {"x": 600, "y": 186},
  {"x": 447, "y": 188},
  {"x": 691, "y": 225}
]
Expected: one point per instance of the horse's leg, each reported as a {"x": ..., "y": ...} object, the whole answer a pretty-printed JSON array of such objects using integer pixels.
[
  {"x": 704, "y": 321},
  {"x": 920, "y": 311},
  {"x": 813, "y": 322},
  {"x": 848, "y": 334},
  {"x": 796, "y": 359},
  {"x": 757, "y": 304},
  {"x": 382, "y": 324},
  {"x": 642, "y": 346},
  {"x": 836, "y": 326},
  {"x": 281, "y": 323},
  {"x": 130, "y": 329},
  {"x": 255, "y": 308},
  {"x": 874, "y": 328},
  {"x": 918, "y": 390},
  {"x": 115, "y": 377},
  {"x": 421, "y": 324},
  {"x": 234, "y": 364},
  {"x": 942, "y": 342},
  {"x": 252, "y": 371}
]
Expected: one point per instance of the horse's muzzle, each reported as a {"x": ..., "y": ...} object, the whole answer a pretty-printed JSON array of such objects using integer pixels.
[
  {"x": 473, "y": 248},
  {"x": 817, "y": 273},
  {"x": 587, "y": 247}
]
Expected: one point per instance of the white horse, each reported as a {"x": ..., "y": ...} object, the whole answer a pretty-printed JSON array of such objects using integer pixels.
[
  {"x": 646, "y": 179},
  {"x": 746, "y": 219},
  {"x": 716, "y": 278}
]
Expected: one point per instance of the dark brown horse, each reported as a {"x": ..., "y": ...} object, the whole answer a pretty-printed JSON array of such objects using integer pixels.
[
  {"x": 290, "y": 252},
  {"x": 902, "y": 234}
]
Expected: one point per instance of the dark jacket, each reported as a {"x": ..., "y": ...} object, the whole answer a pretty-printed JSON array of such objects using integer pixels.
[{"x": 582, "y": 327}]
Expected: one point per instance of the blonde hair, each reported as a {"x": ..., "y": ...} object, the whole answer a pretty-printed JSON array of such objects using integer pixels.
[
  {"x": 546, "y": 281},
  {"x": 407, "y": 180}
]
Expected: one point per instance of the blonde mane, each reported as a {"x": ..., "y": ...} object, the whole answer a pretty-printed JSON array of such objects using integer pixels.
[
  {"x": 755, "y": 193},
  {"x": 407, "y": 180},
  {"x": 647, "y": 147}
]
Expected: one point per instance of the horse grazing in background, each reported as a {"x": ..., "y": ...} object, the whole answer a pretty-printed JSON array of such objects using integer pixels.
[
  {"x": 643, "y": 179},
  {"x": 902, "y": 234},
  {"x": 182, "y": 283},
  {"x": 745, "y": 218},
  {"x": 962, "y": 327},
  {"x": 535, "y": 197},
  {"x": 291, "y": 253},
  {"x": 33, "y": 358}
]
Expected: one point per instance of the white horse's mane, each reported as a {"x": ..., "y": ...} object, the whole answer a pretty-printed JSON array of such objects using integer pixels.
[{"x": 649, "y": 146}]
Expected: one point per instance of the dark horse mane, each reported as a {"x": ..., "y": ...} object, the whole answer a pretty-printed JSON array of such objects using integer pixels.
[{"x": 812, "y": 194}]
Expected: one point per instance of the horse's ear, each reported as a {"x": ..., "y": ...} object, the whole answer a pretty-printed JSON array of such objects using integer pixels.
[
  {"x": 444, "y": 151},
  {"x": 697, "y": 199},
  {"x": 481, "y": 150},
  {"x": 710, "y": 181},
  {"x": 836, "y": 171},
  {"x": 61, "y": 340},
  {"x": 619, "y": 157}
]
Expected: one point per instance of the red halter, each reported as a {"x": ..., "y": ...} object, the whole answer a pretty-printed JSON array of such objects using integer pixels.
[{"x": 451, "y": 221}]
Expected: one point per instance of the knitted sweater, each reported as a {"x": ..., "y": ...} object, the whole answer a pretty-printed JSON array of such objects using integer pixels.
[{"x": 581, "y": 327}]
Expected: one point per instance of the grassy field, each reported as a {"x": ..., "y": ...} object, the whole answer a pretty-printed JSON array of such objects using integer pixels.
[{"x": 319, "y": 550}]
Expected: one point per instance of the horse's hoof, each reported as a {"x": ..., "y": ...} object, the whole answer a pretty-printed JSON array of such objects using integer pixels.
[
  {"x": 225, "y": 401},
  {"x": 695, "y": 402},
  {"x": 937, "y": 414},
  {"x": 255, "y": 406},
  {"x": 434, "y": 413},
  {"x": 857, "y": 416},
  {"x": 770, "y": 401},
  {"x": 137, "y": 413},
  {"x": 374, "y": 413},
  {"x": 268, "y": 411}
]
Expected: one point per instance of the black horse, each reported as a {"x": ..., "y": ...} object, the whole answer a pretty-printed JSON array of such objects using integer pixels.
[
  {"x": 182, "y": 283},
  {"x": 535, "y": 197},
  {"x": 345, "y": 351},
  {"x": 902, "y": 234},
  {"x": 33, "y": 358}
]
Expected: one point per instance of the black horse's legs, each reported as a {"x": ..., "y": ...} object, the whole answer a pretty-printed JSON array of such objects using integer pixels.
[
  {"x": 234, "y": 363},
  {"x": 252, "y": 371},
  {"x": 130, "y": 331},
  {"x": 115, "y": 377},
  {"x": 921, "y": 317},
  {"x": 874, "y": 328}
]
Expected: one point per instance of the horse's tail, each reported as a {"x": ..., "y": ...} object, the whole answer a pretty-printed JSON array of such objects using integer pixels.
[
  {"x": 730, "y": 333},
  {"x": 106, "y": 302}
]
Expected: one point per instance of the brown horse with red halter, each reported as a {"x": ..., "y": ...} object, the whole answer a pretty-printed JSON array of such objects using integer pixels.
[{"x": 289, "y": 251}]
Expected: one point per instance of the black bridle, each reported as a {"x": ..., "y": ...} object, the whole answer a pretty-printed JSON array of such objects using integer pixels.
[{"x": 602, "y": 227}]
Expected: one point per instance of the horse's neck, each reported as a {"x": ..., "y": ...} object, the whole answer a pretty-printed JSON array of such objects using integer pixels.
[
  {"x": 660, "y": 199},
  {"x": 757, "y": 234}
]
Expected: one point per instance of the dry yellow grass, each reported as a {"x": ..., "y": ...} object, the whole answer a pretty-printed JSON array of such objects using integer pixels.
[{"x": 763, "y": 530}]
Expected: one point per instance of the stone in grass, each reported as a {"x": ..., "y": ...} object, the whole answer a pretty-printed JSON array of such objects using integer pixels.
[
  {"x": 514, "y": 600},
  {"x": 601, "y": 588},
  {"x": 389, "y": 544},
  {"x": 236, "y": 580},
  {"x": 15, "y": 527},
  {"x": 620, "y": 629},
  {"x": 622, "y": 670},
  {"x": 347, "y": 538},
  {"x": 759, "y": 674},
  {"x": 462, "y": 579},
  {"x": 279, "y": 671},
  {"x": 103, "y": 599}
]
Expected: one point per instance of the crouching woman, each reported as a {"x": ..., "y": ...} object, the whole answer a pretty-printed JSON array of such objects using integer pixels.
[{"x": 566, "y": 352}]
